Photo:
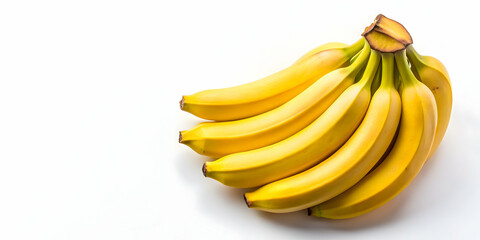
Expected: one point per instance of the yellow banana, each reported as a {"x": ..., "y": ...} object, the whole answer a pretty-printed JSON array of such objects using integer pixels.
[
  {"x": 346, "y": 166},
  {"x": 270, "y": 92},
  {"x": 217, "y": 139},
  {"x": 302, "y": 150},
  {"x": 432, "y": 73},
  {"x": 409, "y": 153}
]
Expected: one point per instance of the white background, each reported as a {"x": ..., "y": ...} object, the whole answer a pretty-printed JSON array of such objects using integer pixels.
[{"x": 89, "y": 117}]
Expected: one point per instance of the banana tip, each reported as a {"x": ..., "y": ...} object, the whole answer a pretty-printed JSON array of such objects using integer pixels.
[
  {"x": 309, "y": 211},
  {"x": 204, "y": 169},
  {"x": 182, "y": 102},
  {"x": 246, "y": 201}
]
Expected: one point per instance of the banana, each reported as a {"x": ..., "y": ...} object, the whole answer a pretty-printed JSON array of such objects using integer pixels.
[
  {"x": 432, "y": 73},
  {"x": 346, "y": 166},
  {"x": 256, "y": 97},
  {"x": 302, "y": 150},
  {"x": 218, "y": 139},
  {"x": 409, "y": 153}
]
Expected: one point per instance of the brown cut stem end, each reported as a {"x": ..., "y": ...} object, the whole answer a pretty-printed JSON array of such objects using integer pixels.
[{"x": 387, "y": 35}]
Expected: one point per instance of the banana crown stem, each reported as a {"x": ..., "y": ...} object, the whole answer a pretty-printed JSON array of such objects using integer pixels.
[
  {"x": 387, "y": 70},
  {"x": 360, "y": 61},
  {"x": 403, "y": 68},
  {"x": 354, "y": 58},
  {"x": 355, "y": 48},
  {"x": 371, "y": 68},
  {"x": 413, "y": 56}
]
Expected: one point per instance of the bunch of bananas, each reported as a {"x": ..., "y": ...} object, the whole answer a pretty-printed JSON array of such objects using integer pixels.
[{"x": 340, "y": 132}]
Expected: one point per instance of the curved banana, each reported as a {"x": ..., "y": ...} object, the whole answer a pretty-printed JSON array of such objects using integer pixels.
[
  {"x": 302, "y": 150},
  {"x": 267, "y": 93},
  {"x": 409, "y": 153},
  {"x": 432, "y": 73},
  {"x": 217, "y": 139},
  {"x": 346, "y": 166},
  {"x": 322, "y": 48}
]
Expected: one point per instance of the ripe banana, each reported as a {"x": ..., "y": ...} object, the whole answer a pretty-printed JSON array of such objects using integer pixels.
[
  {"x": 270, "y": 92},
  {"x": 304, "y": 149},
  {"x": 217, "y": 139},
  {"x": 411, "y": 149},
  {"x": 434, "y": 75},
  {"x": 346, "y": 166}
]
